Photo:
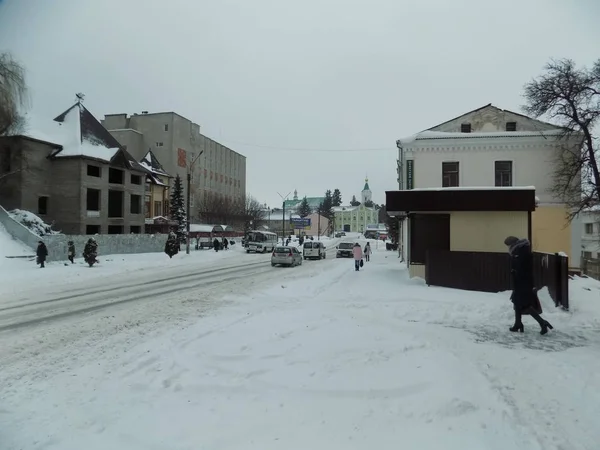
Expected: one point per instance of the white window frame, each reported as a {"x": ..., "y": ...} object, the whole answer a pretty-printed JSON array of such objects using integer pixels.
[{"x": 513, "y": 175}]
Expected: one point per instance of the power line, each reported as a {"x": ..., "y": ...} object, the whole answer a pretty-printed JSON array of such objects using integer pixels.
[{"x": 303, "y": 149}]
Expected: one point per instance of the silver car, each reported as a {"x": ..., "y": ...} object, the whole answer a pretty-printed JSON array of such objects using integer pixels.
[{"x": 286, "y": 256}]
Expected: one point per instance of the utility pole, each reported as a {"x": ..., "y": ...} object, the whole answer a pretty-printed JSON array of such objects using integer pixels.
[
  {"x": 283, "y": 199},
  {"x": 319, "y": 226},
  {"x": 189, "y": 200}
]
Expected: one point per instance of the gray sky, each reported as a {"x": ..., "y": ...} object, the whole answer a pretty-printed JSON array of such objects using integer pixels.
[{"x": 315, "y": 74}]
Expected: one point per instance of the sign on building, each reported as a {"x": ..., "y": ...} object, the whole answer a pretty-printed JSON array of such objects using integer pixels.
[{"x": 300, "y": 223}]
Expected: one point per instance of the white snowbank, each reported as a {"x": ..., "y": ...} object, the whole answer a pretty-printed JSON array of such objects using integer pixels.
[
  {"x": 335, "y": 360},
  {"x": 33, "y": 222}
]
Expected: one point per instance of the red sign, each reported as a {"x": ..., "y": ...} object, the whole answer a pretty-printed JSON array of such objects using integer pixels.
[{"x": 181, "y": 158}]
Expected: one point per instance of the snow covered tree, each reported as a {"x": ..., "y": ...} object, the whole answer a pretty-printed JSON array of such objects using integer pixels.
[
  {"x": 354, "y": 202},
  {"x": 178, "y": 212},
  {"x": 571, "y": 97},
  {"x": 370, "y": 204},
  {"x": 304, "y": 208},
  {"x": 336, "y": 198}
]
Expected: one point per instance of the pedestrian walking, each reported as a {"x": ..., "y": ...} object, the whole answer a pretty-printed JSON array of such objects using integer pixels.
[
  {"x": 41, "y": 253},
  {"x": 358, "y": 255},
  {"x": 524, "y": 296},
  {"x": 368, "y": 252},
  {"x": 225, "y": 244},
  {"x": 71, "y": 251},
  {"x": 216, "y": 244}
]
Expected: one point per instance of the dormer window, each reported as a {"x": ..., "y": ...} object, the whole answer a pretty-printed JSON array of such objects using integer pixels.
[
  {"x": 511, "y": 126},
  {"x": 465, "y": 128}
]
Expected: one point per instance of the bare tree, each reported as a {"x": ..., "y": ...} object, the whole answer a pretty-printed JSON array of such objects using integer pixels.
[
  {"x": 251, "y": 213},
  {"x": 217, "y": 210},
  {"x": 9, "y": 164},
  {"x": 571, "y": 97},
  {"x": 13, "y": 94}
]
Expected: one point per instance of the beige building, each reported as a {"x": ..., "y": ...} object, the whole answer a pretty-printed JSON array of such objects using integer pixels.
[{"x": 176, "y": 142}]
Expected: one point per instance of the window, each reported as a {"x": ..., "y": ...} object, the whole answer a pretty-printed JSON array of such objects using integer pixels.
[
  {"x": 503, "y": 173},
  {"x": 586, "y": 255},
  {"x": 43, "y": 205},
  {"x": 166, "y": 207},
  {"x": 450, "y": 174},
  {"x": 511, "y": 126},
  {"x": 136, "y": 204},
  {"x": 166, "y": 127},
  {"x": 115, "y": 229},
  {"x": 136, "y": 179},
  {"x": 159, "y": 144},
  {"x": 92, "y": 229},
  {"x": 93, "y": 200},
  {"x": 115, "y": 203},
  {"x": 116, "y": 176},
  {"x": 465, "y": 128},
  {"x": 94, "y": 171},
  {"x": 135, "y": 229},
  {"x": 589, "y": 229},
  {"x": 157, "y": 209}
]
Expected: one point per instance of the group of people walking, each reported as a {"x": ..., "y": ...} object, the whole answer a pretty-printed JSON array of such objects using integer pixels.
[
  {"x": 359, "y": 254},
  {"x": 90, "y": 252}
]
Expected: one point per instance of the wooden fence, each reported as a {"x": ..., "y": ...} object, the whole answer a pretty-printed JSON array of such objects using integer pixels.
[
  {"x": 591, "y": 268},
  {"x": 490, "y": 272}
]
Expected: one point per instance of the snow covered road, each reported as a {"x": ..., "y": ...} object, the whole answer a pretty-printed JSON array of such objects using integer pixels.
[{"x": 318, "y": 356}]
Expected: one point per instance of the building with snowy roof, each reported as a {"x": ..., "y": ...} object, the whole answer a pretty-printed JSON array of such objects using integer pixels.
[
  {"x": 71, "y": 172},
  {"x": 493, "y": 147},
  {"x": 356, "y": 219}
]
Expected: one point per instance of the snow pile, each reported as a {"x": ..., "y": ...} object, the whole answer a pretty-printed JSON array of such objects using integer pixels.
[{"x": 33, "y": 222}]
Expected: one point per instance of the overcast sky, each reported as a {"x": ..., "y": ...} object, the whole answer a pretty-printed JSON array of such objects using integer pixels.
[{"x": 277, "y": 79}]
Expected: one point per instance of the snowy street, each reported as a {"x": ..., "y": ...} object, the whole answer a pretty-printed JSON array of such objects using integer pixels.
[{"x": 316, "y": 356}]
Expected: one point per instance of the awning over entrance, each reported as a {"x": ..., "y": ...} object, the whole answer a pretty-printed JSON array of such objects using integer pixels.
[{"x": 399, "y": 203}]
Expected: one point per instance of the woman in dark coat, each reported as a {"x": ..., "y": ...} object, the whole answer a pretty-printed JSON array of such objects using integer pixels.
[
  {"x": 523, "y": 295},
  {"x": 172, "y": 245},
  {"x": 41, "y": 253}
]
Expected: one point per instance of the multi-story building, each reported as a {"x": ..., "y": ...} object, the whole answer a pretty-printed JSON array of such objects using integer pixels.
[
  {"x": 73, "y": 174},
  {"x": 313, "y": 202},
  {"x": 177, "y": 142},
  {"x": 590, "y": 241},
  {"x": 491, "y": 147},
  {"x": 356, "y": 219}
]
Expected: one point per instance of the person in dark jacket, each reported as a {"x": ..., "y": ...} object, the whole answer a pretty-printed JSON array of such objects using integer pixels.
[
  {"x": 216, "y": 245},
  {"x": 172, "y": 245},
  {"x": 41, "y": 253},
  {"x": 523, "y": 295},
  {"x": 71, "y": 251},
  {"x": 225, "y": 244}
]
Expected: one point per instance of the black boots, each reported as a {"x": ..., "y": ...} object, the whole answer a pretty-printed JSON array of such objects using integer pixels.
[{"x": 544, "y": 324}]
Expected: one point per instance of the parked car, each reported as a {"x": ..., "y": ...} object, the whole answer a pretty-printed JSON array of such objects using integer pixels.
[
  {"x": 344, "y": 250},
  {"x": 313, "y": 250},
  {"x": 340, "y": 234},
  {"x": 286, "y": 256}
]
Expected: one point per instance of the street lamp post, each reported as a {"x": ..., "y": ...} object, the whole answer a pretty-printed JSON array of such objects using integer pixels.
[
  {"x": 189, "y": 200},
  {"x": 283, "y": 199}
]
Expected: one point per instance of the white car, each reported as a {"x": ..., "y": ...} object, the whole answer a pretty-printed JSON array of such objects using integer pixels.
[
  {"x": 286, "y": 256},
  {"x": 313, "y": 250}
]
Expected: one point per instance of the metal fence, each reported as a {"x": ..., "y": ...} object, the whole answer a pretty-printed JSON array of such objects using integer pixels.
[
  {"x": 591, "y": 268},
  {"x": 490, "y": 272}
]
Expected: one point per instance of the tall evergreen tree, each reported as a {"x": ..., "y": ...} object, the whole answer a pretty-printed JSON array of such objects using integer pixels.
[
  {"x": 326, "y": 209},
  {"x": 304, "y": 208},
  {"x": 336, "y": 198},
  {"x": 178, "y": 212},
  {"x": 354, "y": 202}
]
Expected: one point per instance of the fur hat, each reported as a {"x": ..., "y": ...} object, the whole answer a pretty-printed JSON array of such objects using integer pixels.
[{"x": 510, "y": 240}]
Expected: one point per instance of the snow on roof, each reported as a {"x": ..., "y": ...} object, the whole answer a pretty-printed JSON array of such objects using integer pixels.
[
  {"x": 433, "y": 135},
  {"x": 478, "y": 188},
  {"x": 68, "y": 134},
  {"x": 203, "y": 228}
]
